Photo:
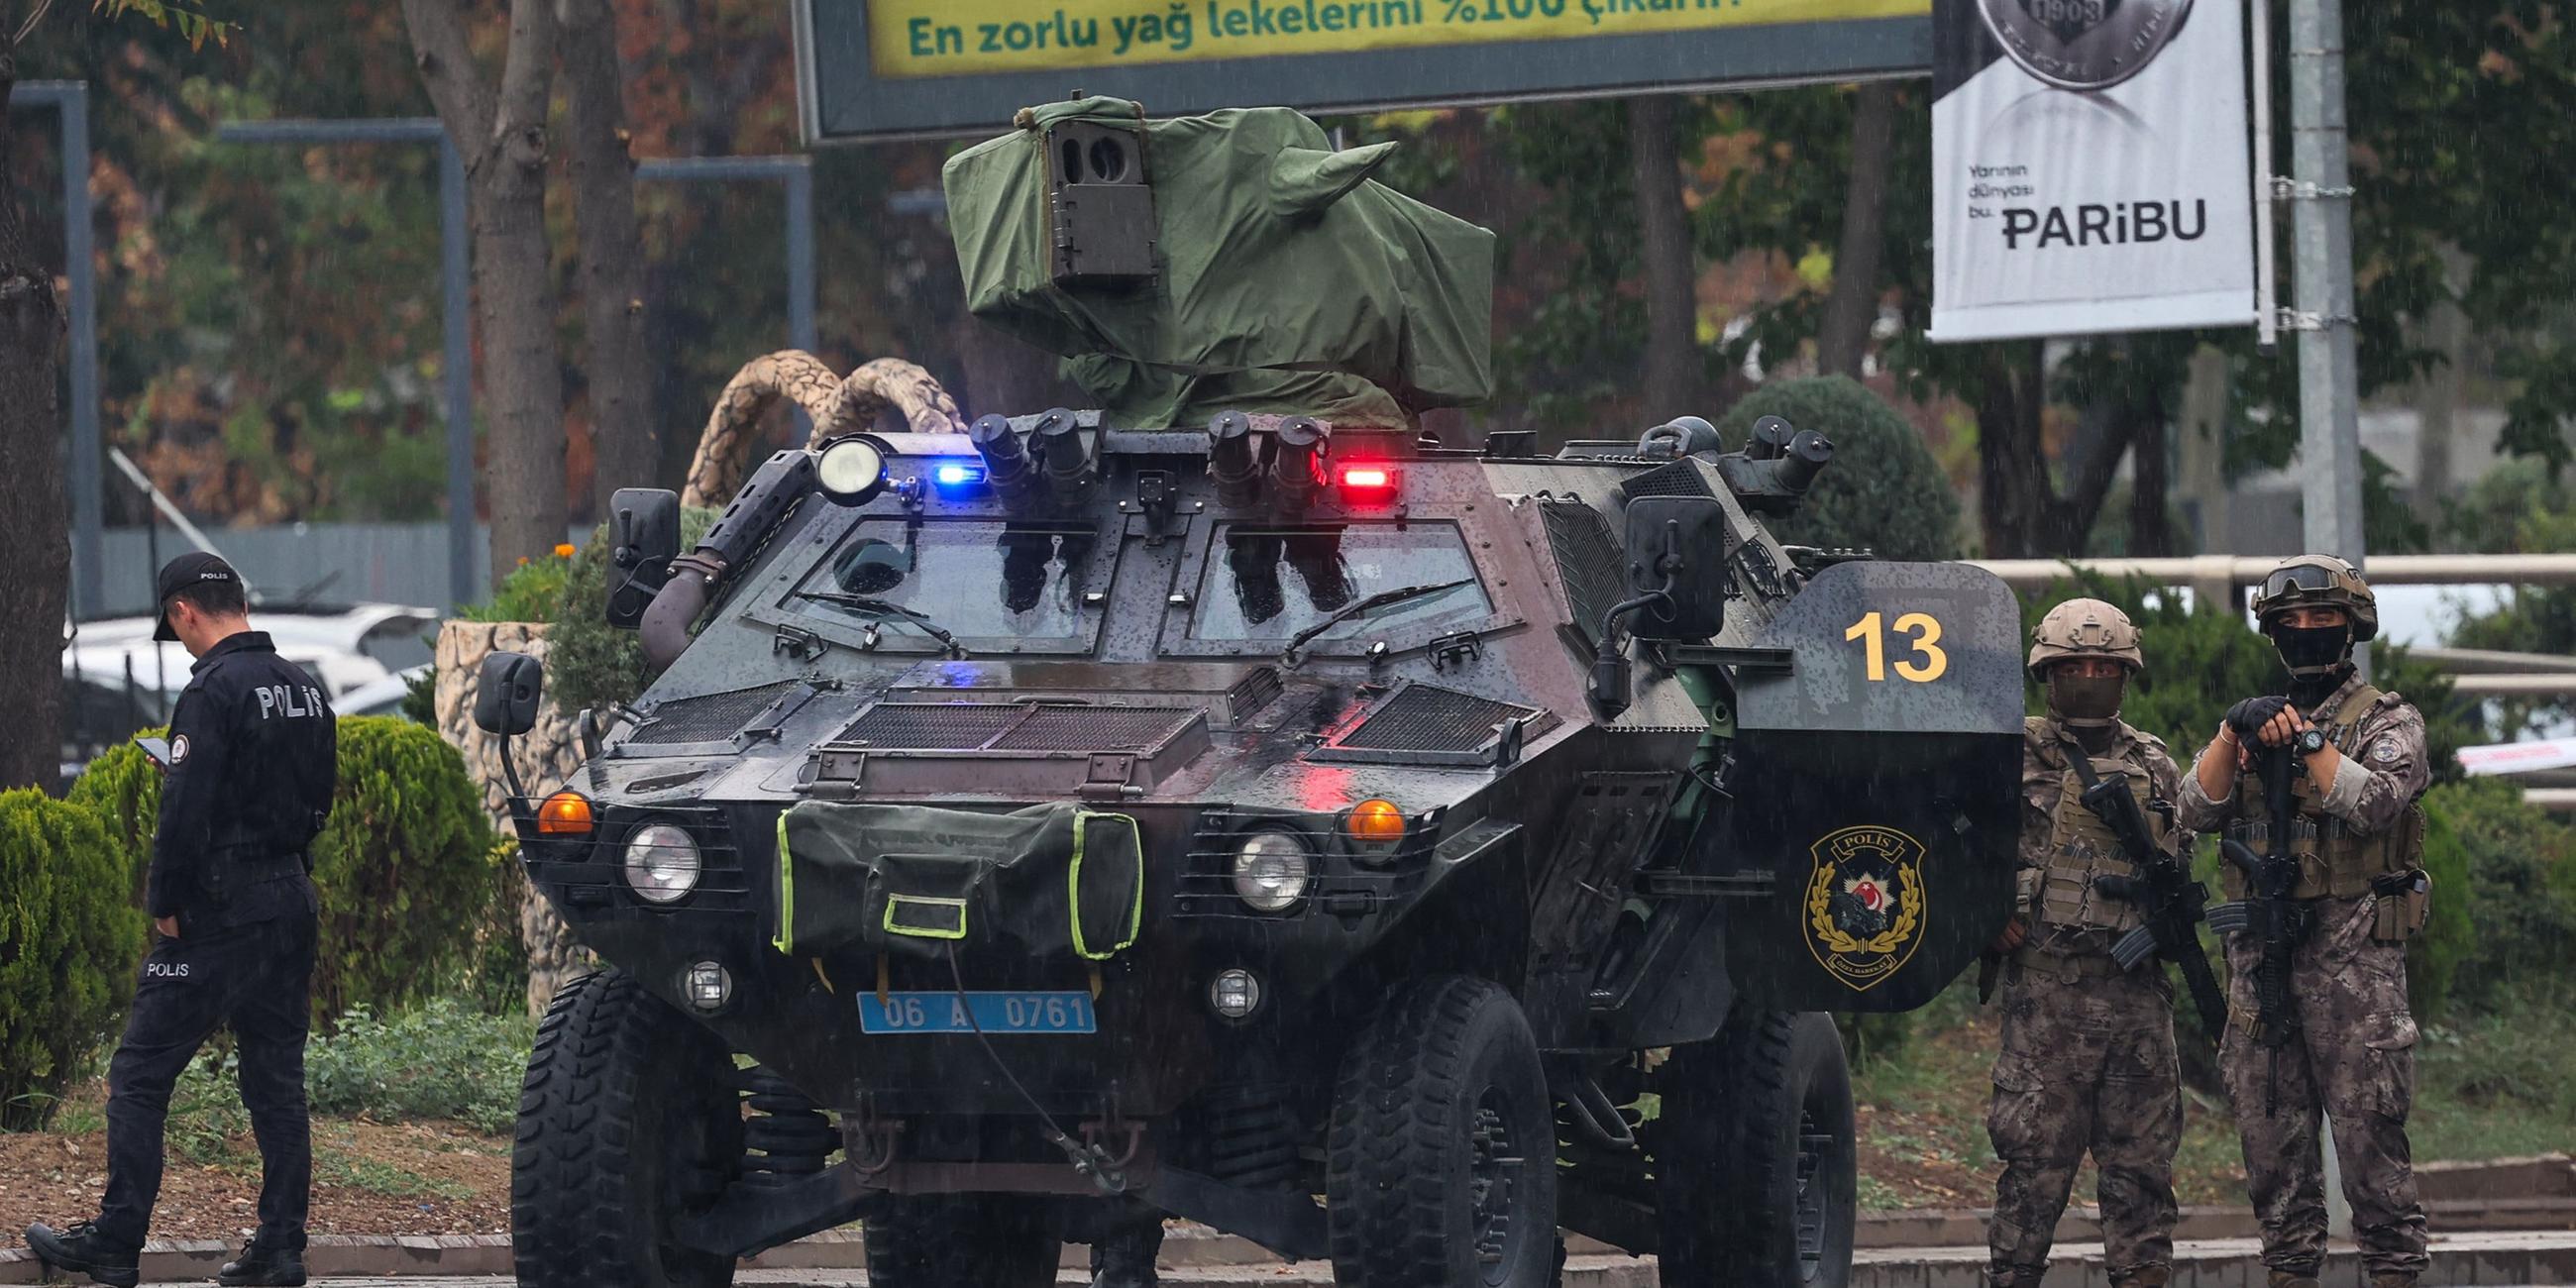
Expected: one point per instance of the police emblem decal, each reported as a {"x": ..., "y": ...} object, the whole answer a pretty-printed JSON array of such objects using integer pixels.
[{"x": 1865, "y": 903}]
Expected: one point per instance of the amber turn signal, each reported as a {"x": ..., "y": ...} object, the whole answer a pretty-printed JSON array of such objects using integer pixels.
[
  {"x": 564, "y": 814},
  {"x": 1375, "y": 822}
]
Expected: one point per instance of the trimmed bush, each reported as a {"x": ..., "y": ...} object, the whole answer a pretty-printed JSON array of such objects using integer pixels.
[
  {"x": 1883, "y": 490},
  {"x": 404, "y": 867},
  {"x": 69, "y": 940},
  {"x": 588, "y": 662},
  {"x": 2509, "y": 871},
  {"x": 124, "y": 789}
]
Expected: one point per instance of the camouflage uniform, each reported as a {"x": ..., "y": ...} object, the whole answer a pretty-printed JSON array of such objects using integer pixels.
[
  {"x": 2088, "y": 1059},
  {"x": 2353, "y": 1057}
]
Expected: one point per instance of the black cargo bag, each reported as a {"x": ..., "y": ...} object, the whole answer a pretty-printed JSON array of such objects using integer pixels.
[{"x": 1046, "y": 881}]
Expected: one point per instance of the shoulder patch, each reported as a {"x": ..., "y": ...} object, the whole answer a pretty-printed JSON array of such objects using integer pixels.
[
  {"x": 2385, "y": 751},
  {"x": 179, "y": 749}
]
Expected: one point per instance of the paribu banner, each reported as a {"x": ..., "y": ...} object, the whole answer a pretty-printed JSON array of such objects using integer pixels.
[
  {"x": 887, "y": 68},
  {"x": 2090, "y": 167}
]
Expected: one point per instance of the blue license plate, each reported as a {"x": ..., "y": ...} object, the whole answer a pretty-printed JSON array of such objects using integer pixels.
[{"x": 1013, "y": 1013}]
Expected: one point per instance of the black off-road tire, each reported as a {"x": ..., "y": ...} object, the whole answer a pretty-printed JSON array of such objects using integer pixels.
[
  {"x": 1442, "y": 1154},
  {"x": 1756, "y": 1156},
  {"x": 628, "y": 1117},
  {"x": 961, "y": 1241}
]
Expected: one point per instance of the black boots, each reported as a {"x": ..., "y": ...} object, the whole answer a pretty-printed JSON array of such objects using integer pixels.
[
  {"x": 81, "y": 1248},
  {"x": 264, "y": 1267},
  {"x": 1125, "y": 1258}
]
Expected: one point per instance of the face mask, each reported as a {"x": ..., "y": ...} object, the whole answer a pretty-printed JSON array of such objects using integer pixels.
[
  {"x": 2311, "y": 650},
  {"x": 2085, "y": 700}
]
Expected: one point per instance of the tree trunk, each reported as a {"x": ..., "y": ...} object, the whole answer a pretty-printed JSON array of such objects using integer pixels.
[
  {"x": 2018, "y": 506},
  {"x": 623, "y": 426},
  {"x": 503, "y": 138},
  {"x": 32, "y": 494},
  {"x": 1672, "y": 384},
  {"x": 1851, "y": 308},
  {"x": 2150, "y": 482}
]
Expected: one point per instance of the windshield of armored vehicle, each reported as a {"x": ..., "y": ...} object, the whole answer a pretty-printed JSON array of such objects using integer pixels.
[
  {"x": 1269, "y": 582},
  {"x": 968, "y": 578}
]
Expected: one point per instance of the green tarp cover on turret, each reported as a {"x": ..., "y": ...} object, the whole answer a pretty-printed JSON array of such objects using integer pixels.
[{"x": 1288, "y": 281}]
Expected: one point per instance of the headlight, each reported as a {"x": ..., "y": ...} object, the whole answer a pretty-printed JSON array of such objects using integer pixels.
[
  {"x": 661, "y": 863},
  {"x": 1270, "y": 871},
  {"x": 850, "y": 470}
]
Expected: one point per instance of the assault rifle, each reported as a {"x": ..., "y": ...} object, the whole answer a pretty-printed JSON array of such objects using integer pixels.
[
  {"x": 2170, "y": 904},
  {"x": 2268, "y": 911}
]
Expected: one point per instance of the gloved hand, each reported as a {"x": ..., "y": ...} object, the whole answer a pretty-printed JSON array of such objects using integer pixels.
[
  {"x": 2014, "y": 934},
  {"x": 2248, "y": 717}
]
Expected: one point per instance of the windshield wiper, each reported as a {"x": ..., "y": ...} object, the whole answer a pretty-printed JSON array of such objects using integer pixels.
[
  {"x": 885, "y": 608},
  {"x": 1358, "y": 606}
]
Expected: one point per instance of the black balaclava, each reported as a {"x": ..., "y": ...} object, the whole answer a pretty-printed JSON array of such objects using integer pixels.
[
  {"x": 2319, "y": 657},
  {"x": 2086, "y": 704}
]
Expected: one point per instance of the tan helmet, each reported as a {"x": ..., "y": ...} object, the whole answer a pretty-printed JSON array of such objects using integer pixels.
[
  {"x": 2318, "y": 581},
  {"x": 2084, "y": 628}
]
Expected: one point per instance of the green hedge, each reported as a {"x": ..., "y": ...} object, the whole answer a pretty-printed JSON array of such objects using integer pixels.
[
  {"x": 404, "y": 867},
  {"x": 1883, "y": 490},
  {"x": 124, "y": 789},
  {"x": 2508, "y": 872},
  {"x": 70, "y": 938}
]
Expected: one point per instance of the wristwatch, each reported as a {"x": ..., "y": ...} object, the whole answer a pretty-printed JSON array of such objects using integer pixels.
[{"x": 2310, "y": 742}]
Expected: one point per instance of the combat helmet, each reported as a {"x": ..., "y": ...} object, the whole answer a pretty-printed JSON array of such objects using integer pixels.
[
  {"x": 2318, "y": 581},
  {"x": 2084, "y": 628}
]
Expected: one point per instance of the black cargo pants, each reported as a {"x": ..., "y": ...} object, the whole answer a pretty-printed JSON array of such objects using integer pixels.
[{"x": 257, "y": 977}]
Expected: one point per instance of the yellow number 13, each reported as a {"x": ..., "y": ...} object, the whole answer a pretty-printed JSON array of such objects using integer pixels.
[{"x": 1926, "y": 642}]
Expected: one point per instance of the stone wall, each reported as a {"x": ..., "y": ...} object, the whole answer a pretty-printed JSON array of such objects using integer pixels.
[{"x": 545, "y": 757}]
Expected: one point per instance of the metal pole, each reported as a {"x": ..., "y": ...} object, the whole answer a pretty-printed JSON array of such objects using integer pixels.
[
  {"x": 456, "y": 299},
  {"x": 70, "y": 101},
  {"x": 2267, "y": 306},
  {"x": 800, "y": 257},
  {"x": 2321, "y": 225}
]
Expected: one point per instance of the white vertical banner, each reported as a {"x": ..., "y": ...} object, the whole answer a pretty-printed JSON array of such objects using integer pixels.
[{"x": 2090, "y": 168}]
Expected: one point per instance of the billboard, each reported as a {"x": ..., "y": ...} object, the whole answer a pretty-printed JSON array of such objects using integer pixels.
[
  {"x": 925, "y": 68},
  {"x": 2091, "y": 167}
]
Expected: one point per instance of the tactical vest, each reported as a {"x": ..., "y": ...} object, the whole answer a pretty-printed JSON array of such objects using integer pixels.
[
  {"x": 2334, "y": 860},
  {"x": 2082, "y": 850}
]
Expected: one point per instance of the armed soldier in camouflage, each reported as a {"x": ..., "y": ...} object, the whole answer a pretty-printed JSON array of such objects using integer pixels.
[
  {"x": 2088, "y": 1059},
  {"x": 2338, "y": 1036}
]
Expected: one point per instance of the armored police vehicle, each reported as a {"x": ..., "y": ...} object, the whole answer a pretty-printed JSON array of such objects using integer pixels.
[{"x": 1385, "y": 852}]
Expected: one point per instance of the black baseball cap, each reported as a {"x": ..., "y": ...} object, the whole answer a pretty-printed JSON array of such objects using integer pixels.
[{"x": 194, "y": 568}]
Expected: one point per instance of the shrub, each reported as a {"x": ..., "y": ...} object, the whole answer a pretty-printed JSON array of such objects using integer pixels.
[
  {"x": 124, "y": 789},
  {"x": 528, "y": 594},
  {"x": 441, "y": 1061},
  {"x": 69, "y": 938},
  {"x": 588, "y": 662},
  {"x": 2509, "y": 871},
  {"x": 404, "y": 868},
  {"x": 1882, "y": 491}
]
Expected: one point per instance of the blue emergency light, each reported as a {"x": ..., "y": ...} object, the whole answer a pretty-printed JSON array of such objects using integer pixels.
[{"x": 954, "y": 475}]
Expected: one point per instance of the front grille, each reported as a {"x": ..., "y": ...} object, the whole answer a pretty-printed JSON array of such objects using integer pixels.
[
  {"x": 930, "y": 726},
  {"x": 595, "y": 888},
  {"x": 1340, "y": 883},
  {"x": 712, "y": 717},
  {"x": 1680, "y": 478},
  {"x": 1588, "y": 561},
  {"x": 1095, "y": 728},
  {"x": 1426, "y": 717},
  {"x": 1253, "y": 692},
  {"x": 1015, "y": 726}
]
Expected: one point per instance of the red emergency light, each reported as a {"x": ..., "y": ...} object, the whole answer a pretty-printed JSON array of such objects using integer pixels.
[{"x": 1367, "y": 478}]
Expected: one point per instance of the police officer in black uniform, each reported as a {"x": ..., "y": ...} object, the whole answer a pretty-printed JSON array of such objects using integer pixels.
[{"x": 249, "y": 777}]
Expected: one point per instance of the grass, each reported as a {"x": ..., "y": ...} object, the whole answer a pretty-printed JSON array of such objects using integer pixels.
[{"x": 2486, "y": 1087}]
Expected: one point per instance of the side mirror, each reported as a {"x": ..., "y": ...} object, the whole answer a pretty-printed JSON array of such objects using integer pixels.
[
  {"x": 505, "y": 699},
  {"x": 1677, "y": 545},
  {"x": 644, "y": 531}
]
